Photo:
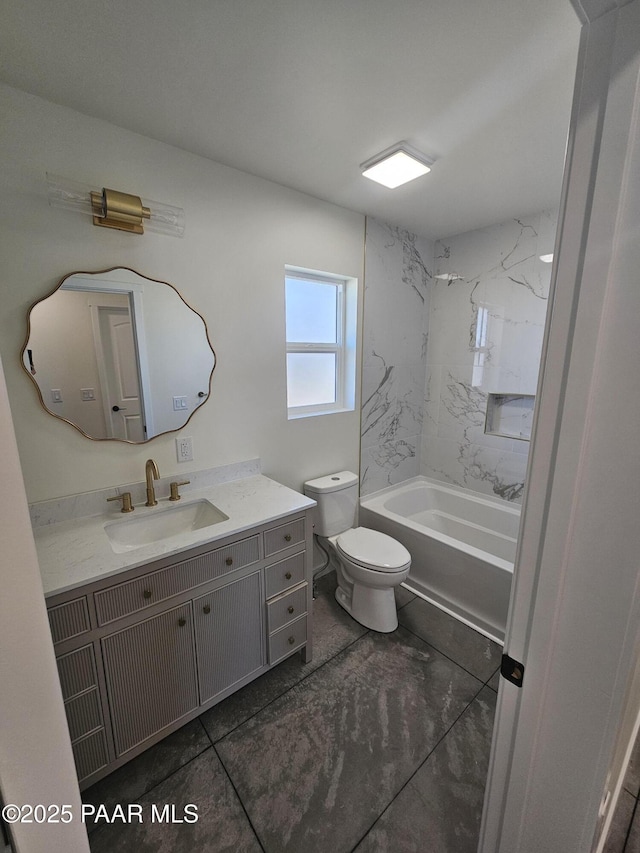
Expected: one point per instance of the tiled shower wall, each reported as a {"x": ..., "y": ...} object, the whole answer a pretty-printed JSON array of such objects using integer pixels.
[
  {"x": 396, "y": 316},
  {"x": 478, "y": 332}
]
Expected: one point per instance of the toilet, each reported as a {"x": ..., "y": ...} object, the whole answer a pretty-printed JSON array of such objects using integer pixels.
[{"x": 369, "y": 564}]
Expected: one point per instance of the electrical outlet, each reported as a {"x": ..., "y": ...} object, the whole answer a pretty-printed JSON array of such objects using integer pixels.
[{"x": 184, "y": 448}]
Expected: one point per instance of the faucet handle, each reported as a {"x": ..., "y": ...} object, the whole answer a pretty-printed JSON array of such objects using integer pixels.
[
  {"x": 175, "y": 496},
  {"x": 125, "y": 497}
]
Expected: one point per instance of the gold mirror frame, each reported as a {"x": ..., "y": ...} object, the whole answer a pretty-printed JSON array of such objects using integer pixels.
[{"x": 136, "y": 286}]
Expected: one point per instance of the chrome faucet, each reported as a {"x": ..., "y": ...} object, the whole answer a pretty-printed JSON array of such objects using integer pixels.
[{"x": 151, "y": 473}]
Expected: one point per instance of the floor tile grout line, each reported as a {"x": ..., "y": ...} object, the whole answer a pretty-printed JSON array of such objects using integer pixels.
[
  {"x": 448, "y": 657},
  {"x": 420, "y": 766},
  {"x": 242, "y": 805},
  {"x": 486, "y": 684},
  {"x": 163, "y": 780},
  {"x": 284, "y": 693},
  {"x": 212, "y": 742},
  {"x": 226, "y": 772},
  {"x": 628, "y": 832}
]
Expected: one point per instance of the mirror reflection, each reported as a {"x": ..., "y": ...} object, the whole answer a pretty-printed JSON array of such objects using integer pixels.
[{"x": 118, "y": 355}]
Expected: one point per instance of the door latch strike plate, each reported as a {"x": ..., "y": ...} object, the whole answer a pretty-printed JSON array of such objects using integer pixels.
[{"x": 512, "y": 670}]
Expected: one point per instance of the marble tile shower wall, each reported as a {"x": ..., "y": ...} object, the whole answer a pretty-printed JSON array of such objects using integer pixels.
[
  {"x": 485, "y": 336},
  {"x": 435, "y": 349},
  {"x": 398, "y": 276}
]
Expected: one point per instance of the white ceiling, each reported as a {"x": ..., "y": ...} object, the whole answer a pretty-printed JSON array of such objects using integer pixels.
[{"x": 302, "y": 91}]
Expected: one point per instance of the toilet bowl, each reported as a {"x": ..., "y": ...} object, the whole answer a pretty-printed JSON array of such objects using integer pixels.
[{"x": 369, "y": 564}]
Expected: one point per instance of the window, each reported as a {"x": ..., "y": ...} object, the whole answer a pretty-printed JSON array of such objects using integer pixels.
[{"x": 321, "y": 325}]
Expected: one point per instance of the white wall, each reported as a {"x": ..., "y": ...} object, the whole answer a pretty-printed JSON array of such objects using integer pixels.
[{"x": 240, "y": 232}]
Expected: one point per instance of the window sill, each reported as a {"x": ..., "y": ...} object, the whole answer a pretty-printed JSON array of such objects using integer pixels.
[{"x": 292, "y": 415}]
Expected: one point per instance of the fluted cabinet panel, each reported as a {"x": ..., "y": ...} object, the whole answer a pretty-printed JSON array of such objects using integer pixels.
[
  {"x": 69, "y": 620},
  {"x": 151, "y": 675},
  {"x": 77, "y": 671},
  {"x": 84, "y": 714},
  {"x": 135, "y": 595},
  {"x": 229, "y": 635},
  {"x": 90, "y": 754}
]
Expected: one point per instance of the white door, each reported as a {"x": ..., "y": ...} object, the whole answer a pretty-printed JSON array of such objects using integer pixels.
[
  {"x": 575, "y": 610},
  {"x": 122, "y": 391}
]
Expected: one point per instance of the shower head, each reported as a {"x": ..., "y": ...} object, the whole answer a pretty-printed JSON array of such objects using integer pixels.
[{"x": 449, "y": 276}]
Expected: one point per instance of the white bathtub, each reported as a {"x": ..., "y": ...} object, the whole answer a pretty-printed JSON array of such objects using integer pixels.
[{"x": 462, "y": 547}]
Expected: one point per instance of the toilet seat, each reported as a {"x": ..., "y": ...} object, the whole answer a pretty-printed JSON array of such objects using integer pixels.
[{"x": 373, "y": 550}]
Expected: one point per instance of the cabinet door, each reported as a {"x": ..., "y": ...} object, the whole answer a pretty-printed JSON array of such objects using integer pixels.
[
  {"x": 229, "y": 635},
  {"x": 151, "y": 676}
]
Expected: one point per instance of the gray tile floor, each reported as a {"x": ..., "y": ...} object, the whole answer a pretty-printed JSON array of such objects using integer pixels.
[
  {"x": 624, "y": 835},
  {"x": 381, "y": 743}
]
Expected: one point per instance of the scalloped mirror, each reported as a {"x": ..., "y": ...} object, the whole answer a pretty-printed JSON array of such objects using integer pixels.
[{"x": 119, "y": 356}]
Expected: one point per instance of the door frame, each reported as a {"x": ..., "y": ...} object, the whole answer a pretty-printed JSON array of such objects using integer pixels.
[
  {"x": 575, "y": 604},
  {"x": 135, "y": 293}
]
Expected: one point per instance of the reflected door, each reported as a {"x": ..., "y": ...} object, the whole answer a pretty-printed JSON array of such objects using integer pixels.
[{"x": 122, "y": 397}]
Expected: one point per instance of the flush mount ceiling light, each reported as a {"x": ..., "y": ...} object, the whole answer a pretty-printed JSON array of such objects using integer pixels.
[
  {"x": 397, "y": 165},
  {"x": 546, "y": 259}
]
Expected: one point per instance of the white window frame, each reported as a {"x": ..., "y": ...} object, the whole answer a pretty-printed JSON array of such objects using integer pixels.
[{"x": 344, "y": 348}]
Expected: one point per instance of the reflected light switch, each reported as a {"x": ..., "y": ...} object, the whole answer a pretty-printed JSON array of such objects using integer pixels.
[{"x": 179, "y": 404}]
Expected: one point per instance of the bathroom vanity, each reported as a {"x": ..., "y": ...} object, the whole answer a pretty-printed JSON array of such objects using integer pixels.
[{"x": 150, "y": 637}]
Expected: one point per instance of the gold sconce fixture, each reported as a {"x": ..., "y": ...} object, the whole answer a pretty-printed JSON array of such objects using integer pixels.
[{"x": 115, "y": 209}]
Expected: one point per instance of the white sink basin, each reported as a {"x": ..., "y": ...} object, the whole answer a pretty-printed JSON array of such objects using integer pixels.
[{"x": 159, "y": 524}]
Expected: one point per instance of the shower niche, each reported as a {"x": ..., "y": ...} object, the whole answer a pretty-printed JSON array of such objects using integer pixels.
[{"x": 510, "y": 415}]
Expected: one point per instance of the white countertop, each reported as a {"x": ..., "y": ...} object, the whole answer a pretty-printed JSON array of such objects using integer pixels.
[{"x": 77, "y": 551}]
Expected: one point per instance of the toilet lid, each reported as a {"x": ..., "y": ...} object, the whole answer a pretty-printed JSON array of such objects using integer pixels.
[{"x": 370, "y": 548}]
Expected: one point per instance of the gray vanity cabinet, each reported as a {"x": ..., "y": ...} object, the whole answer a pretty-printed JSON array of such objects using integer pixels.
[
  {"x": 150, "y": 671},
  {"x": 144, "y": 651},
  {"x": 229, "y": 635}
]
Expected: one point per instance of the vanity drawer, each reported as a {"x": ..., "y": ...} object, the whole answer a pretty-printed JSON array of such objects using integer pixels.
[
  {"x": 286, "y": 608},
  {"x": 284, "y": 575},
  {"x": 287, "y": 640},
  {"x": 69, "y": 620},
  {"x": 90, "y": 754},
  {"x": 77, "y": 671},
  {"x": 84, "y": 714},
  {"x": 125, "y": 598},
  {"x": 284, "y": 536}
]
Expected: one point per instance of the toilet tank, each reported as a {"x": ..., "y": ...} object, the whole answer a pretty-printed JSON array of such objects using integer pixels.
[{"x": 337, "y": 498}]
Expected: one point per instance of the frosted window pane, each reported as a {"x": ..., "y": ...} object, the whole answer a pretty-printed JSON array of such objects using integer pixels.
[
  {"x": 312, "y": 310},
  {"x": 311, "y": 378}
]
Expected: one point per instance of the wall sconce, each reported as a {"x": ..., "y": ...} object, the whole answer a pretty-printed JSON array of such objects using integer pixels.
[
  {"x": 114, "y": 209},
  {"x": 397, "y": 165}
]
